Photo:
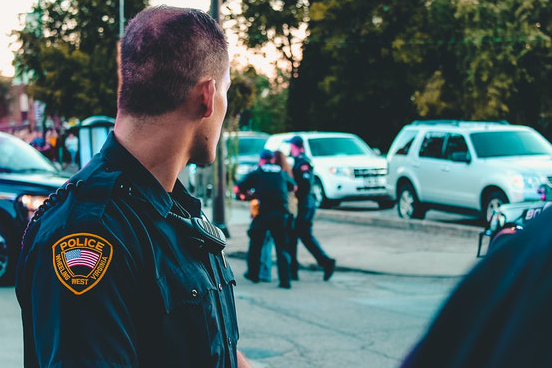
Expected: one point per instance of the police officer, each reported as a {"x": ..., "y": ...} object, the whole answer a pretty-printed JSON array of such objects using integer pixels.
[
  {"x": 271, "y": 186},
  {"x": 499, "y": 315},
  {"x": 120, "y": 268},
  {"x": 303, "y": 174}
]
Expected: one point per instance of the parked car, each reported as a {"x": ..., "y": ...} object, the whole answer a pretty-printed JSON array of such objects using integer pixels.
[
  {"x": 243, "y": 149},
  {"x": 345, "y": 167},
  {"x": 466, "y": 166},
  {"x": 26, "y": 179}
]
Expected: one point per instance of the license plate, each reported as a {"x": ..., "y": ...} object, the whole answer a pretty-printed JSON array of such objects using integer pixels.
[{"x": 370, "y": 182}]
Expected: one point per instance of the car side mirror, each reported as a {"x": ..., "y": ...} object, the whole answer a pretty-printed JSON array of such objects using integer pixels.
[
  {"x": 377, "y": 151},
  {"x": 461, "y": 157}
]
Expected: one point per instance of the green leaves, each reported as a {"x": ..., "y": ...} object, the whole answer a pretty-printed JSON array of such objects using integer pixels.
[{"x": 70, "y": 55}]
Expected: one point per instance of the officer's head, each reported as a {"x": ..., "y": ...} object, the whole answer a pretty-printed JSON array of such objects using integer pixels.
[
  {"x": 175, "y": 60},
  {"x": 296, "y": 145},
  {"x": 266, "y": 156}
]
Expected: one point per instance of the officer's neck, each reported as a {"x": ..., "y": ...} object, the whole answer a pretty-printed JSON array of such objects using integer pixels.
[{"x": 159, "y": 143}]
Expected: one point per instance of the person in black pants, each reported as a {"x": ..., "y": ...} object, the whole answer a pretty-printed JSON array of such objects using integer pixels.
[
  {"x": 303, "y": 175},
  {"x": 271, "y": 186}
]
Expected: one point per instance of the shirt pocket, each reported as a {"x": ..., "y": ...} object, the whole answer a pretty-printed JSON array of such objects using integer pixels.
[{"x": 184, "y": 286}]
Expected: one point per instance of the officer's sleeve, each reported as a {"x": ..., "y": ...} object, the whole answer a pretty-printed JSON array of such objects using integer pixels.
[
  {"x": 248, "y": 182},
  {"x": 289, "y": 182},
  {"x": 79, "y": 299}
]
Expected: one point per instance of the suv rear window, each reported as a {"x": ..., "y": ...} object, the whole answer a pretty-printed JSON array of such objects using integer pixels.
[
  {"x": 510, "y": 143},
  {"x": 338, "y": 146}
]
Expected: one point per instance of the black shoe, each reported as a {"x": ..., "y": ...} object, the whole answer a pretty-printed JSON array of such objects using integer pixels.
[
  {"x": 252, "y": 279},
  {"x": 285, "y": 286},
  {"x": 329, "y": 269}
]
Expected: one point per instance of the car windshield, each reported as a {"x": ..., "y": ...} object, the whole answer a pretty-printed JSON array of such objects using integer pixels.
[
  {"x": 338, "y": 146},
  {"x": 16, "y": 156},
  {"x": 250, "y": 146},
  {"x": 510, "y": 143}
]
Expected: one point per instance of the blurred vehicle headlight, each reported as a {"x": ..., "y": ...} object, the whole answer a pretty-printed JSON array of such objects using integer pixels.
[
  {"x": 342, "y": 171},
  {"x": 30, "y": 204},
  {"x": 526, "y": 181}
]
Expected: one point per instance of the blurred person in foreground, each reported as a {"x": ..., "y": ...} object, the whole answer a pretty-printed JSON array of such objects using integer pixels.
[
  {"x": 304, "y": 177},
  {"x": 115, "y": 270},
  {"x": 271, "y": 186},
  {"x": 500, "y": 313}
]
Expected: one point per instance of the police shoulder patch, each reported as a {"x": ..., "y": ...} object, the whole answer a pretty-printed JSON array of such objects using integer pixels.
[{"x": 81, "y": 260}]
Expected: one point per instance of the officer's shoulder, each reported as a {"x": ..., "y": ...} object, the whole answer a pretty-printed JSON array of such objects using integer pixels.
[
  {"x": 82, "y": 199},
  {"x": 271, "y": 168}
]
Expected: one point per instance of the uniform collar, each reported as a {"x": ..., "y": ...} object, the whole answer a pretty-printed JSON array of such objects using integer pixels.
[{"x": 142, "y": 179}]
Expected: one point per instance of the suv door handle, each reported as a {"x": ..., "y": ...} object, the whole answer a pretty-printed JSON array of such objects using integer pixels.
[
  {"x": 446, "y": 168},
  {"x": 415, "y": 165}
]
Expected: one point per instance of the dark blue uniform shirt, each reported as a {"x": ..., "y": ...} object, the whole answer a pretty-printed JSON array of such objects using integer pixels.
[
  {"x": 304, "y": 177},
  {"x": 271, "y": 185},
  {"x": 107, "y": 278}
]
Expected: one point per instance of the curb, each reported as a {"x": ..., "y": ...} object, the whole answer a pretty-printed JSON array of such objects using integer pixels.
[{"x": 368, "y": 219}]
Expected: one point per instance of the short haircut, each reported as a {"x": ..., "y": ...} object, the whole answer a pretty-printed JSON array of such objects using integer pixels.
[{"x": 164, "y": 53}]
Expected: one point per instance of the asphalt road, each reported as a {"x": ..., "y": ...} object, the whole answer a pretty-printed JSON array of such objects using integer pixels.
[{"x": 354, "y": 320}]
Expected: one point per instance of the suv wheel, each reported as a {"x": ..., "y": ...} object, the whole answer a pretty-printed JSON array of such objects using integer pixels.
[
  {"x": 7, "y": 257},
  {"x": 491, "y": 203},
  {"x": 320, "y": 196},
  {"x": 408, "y": 205}
]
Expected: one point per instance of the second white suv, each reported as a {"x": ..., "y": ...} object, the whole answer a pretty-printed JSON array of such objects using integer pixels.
[
  {"x": 345, "y": 167},
  {"x": 466, "y": 166}
]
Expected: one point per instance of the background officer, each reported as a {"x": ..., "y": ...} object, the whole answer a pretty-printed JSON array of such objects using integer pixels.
[
  {"x": 271, "y": 186},
  {"x": 303, "y": 175},
  {"x": 116, "y": 269}
]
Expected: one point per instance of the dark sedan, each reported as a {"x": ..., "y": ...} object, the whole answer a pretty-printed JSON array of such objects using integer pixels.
[{"x": 26, "y": 179}]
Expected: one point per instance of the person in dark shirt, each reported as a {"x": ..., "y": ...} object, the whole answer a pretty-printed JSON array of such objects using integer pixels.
[
  {"x": 120, "y": 268},
  {"x": 271, "y": 186},
  {"x": 304, "y": 177},
  {"x": 499, "y": 315}
]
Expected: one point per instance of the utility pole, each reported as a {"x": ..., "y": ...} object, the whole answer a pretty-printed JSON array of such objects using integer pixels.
[{"x": 218, "y": 202}]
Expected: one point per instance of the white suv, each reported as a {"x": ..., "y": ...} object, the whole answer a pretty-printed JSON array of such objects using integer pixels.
[
  {"x": 466, "y": 166},
  {"x": 345, "y": 167}
]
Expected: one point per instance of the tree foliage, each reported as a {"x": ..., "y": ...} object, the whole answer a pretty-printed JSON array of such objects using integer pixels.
[
  {"x": 273, "y": 21},
  {"x": 69, "y": 51},
  {"x": 371, "y": 66}
]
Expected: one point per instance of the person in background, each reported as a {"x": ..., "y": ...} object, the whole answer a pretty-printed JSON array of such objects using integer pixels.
[
  {"x": 72, "y": 145},
  {"x": 271, "y": 186},
  {"x": 279, "y": 159},
  {"x": 303, "y": 175}
]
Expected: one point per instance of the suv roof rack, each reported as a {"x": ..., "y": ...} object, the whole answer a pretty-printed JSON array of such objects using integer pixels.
[{"x": 457, "y": 122}]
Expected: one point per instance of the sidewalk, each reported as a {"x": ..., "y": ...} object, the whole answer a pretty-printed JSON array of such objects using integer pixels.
[{"x": 369, "y": 242}]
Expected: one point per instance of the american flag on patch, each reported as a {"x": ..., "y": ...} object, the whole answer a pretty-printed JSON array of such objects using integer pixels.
[{"x": 81, "y": 257}]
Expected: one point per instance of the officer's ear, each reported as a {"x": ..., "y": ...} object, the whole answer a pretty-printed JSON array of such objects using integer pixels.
[{"x": 207, "y": 91}]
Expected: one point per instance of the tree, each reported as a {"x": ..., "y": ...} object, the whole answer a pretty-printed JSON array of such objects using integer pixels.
[
  {"x": 273, "y": 21},
  {"x": 69, "y": 51},
  {"x": 349, "y": 79}
]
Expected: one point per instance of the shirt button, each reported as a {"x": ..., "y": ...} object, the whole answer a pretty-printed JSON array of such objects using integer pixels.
[
  {"x": 229, "y": 341},
  {"x": 220, "y": 287},
  {"x": 194, "y": 293}
]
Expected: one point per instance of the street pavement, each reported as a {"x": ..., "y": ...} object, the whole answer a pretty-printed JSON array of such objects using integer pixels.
[{"x": 383, "y": 243}]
